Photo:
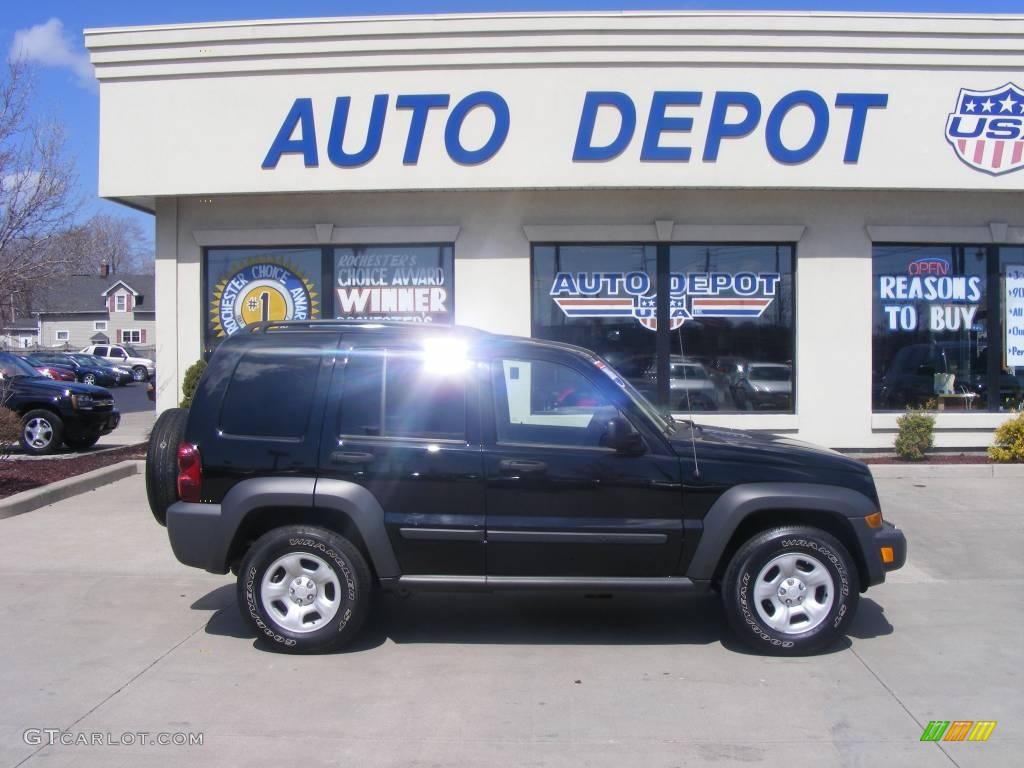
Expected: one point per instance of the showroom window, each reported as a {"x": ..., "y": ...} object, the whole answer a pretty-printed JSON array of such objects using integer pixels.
[
  {"x": 382, "y": 282},
  {"x": 944, "y": 321},
  {"x": 728, "y": 339}
]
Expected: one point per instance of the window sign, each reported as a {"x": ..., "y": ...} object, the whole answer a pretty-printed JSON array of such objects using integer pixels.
[
  {"x": 246, "y": 286},
  {"x": 408, "y": 283},
  {"x": 1014, "y": 317},
  {"x": 930, "y": 297}
]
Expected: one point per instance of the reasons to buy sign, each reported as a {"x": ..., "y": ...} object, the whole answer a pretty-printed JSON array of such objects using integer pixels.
[{"x": 1014, "y": 320}]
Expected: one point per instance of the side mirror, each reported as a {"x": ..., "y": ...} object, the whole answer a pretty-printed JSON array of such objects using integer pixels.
[{"x": 622, "y": 437}]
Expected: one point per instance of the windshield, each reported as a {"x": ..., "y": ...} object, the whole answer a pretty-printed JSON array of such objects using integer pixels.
[
  {"x": 769, "y": 373},
  {"x": 11, "y": 366},
  {"x": 688, "y": 371},
  {"x": 665, "y": 423},
  {"x": 90, "y": 360},
  {"x": 132, "y": 352}
]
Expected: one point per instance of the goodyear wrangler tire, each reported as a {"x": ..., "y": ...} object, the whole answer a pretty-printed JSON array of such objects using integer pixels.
[
  {"x": 790, "y": 591},
  {"x": 162, "y": 461},
  {"x": 304, "y": 589}
]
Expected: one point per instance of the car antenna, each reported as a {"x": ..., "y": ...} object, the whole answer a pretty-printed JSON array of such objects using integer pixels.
[{"x": 689, "y": 408}]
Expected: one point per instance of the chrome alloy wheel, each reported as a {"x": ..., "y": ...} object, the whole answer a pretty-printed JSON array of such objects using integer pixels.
[
  {"x": 794, "y": 593},
  {"x": 38, "y": 432},
  {"x": 89, "y": 379},
  {"x": 300, "y": 592}
]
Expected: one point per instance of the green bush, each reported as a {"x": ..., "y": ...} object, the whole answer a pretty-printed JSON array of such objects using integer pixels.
[
  {"x": 915, "y": 435},
  {"x": 1009, "y": 444},
  {"x": 191, "y": 382}
]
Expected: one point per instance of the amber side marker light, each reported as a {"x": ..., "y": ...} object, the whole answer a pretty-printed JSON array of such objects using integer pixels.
[
  {"x": 888, "y": 555},
  {"x": 874, "y": 520}
]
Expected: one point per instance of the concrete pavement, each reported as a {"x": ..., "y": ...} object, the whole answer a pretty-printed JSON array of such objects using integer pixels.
[{"x": 106, "y": 633}]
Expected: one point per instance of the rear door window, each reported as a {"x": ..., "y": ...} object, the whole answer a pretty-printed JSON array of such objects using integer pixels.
[{"x": 271, "y": 393}]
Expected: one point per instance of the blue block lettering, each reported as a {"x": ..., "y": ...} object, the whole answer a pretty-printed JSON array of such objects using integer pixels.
[
  {"x": 773, "y": 128},
  {"x": 420, "y": 104},
  {"x": 301, "y": 116},
  {"x": 658, "y": 123},
  {"x": 585, "y": 151},
  {"x": 335, "y": 150},
  {"x": 453, "y": 129},
  {"x": 860, "y": 103},
  {"x": 718, "y": 129}
]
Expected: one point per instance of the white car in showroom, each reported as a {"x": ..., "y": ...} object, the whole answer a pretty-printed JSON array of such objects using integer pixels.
[{"x": 142, "y": 368}]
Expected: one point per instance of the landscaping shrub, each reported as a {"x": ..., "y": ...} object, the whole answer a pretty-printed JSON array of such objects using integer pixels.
[
  {"x": 1009, "y": 441},
  {"x": 191, "y": 382},
  {"x": 10, "y": 430},
  {"x": 915, "y": 435}
]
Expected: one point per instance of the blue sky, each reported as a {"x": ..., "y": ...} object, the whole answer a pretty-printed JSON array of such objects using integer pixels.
[{"x": 65, "y": 89}]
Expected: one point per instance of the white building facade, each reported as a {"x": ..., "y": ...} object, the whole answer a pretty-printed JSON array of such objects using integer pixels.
[{"x": 800, "y": 223}]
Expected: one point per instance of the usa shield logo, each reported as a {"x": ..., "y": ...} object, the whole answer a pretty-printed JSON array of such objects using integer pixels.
[{"x": 986, "y": 130}]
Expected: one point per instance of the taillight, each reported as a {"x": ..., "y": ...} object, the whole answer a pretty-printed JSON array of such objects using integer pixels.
[{"x": 190, "y": 472}]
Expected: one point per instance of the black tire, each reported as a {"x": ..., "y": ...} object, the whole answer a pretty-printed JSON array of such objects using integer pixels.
[
  {"x": 751, "y": 621},
  {"x": 42, "y": 432},
  {"x": 347, "y": 566},
  {"x": 162, "y": 461},
  {"x": 81, "y": 442},
  {"x": 139, "y": 373}
]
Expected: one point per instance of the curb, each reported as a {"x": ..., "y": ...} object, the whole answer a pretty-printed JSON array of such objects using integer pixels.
[
  {"x": 965, "y": 471},
  {"x": 34, "y": 498}
]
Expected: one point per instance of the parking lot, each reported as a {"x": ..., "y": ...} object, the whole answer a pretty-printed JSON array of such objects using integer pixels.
[{"x": 108, "y": 634}]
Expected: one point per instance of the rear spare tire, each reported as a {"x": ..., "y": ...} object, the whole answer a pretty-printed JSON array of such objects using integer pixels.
[{"x": 162, "y": 461}]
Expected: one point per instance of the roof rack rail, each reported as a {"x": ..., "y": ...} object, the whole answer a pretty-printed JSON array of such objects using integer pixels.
[{"x": 265, "y": 325}]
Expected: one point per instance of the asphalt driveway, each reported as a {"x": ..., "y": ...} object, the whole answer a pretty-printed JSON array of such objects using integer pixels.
[{"x": 106, "y": 634}]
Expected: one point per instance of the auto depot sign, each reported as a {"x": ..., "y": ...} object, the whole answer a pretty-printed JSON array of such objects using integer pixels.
[
  {"x": 566, "y": 128},
  {"x": 734, "y": 116}
]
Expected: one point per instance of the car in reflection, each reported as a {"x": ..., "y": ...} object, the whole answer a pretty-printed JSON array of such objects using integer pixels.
[
  {"x": 764, "y": 386},
  {"x": 86, "y": 372},
  {"x": 53, "y": 371},
  {"x": 690, "y": 385},
  {"x": 919, "y": 372}
]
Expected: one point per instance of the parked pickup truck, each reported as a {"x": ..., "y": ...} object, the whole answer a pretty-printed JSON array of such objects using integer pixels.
[
  {"x": 142, "y": 368},
  {"x": 321, "y": 460}
]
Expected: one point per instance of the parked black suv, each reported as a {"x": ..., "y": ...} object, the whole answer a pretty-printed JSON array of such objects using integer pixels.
[
  {"x": 320, "y": 460},
  {"x": 54, "y": 412}
]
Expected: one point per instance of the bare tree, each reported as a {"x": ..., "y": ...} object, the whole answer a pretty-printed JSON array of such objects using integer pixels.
[
  {"x": 117, "y": 240},
  {"x": 37, "y": 183}
]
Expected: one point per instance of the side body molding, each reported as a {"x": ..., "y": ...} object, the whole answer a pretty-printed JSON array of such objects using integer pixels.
[
  {"x": 738, "y": 502},
  {"x": 363, "y": 509}
]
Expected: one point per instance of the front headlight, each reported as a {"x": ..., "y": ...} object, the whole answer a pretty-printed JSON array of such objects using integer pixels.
[{"x": 81, "y": 402}]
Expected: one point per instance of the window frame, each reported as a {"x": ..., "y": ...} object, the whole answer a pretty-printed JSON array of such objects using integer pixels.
[
  {"x": 992, "y": 307},
  {"x": 386, "y": 351},
  {"x": 120, "y": 302},
  {"x": 66, "y": 333},
  {"x": 663, "y": 342},
  {"x": 96, "y": 326},
  {"x": 123, "y": 340}
]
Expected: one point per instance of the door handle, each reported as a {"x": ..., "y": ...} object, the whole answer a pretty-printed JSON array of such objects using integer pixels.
[
  {"x": 522, "y": 466},
  {"x": 351, "y": 457}
]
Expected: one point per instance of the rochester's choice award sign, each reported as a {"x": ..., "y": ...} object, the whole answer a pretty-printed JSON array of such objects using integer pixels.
[{"x": 394, "y": 283}]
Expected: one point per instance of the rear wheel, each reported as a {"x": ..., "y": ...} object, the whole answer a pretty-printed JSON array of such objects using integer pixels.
[
  {"x": 139, "y": 373},
  {"x": 42, "y": 432},
  {"x": 89, "y": 378},
  {"x": 791, "y": 590},
  {"x": 304, "y": 589},
  {"x": 162, "y": 461}
]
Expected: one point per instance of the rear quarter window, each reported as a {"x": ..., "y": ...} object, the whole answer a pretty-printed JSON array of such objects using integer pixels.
[{"x": 271, "y": 393}]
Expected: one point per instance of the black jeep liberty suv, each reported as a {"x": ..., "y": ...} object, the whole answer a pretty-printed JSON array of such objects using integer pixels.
[{"x": 322, "y": 460}]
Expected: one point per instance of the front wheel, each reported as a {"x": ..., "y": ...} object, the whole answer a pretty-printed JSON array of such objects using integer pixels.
[
  {"x": 139, "y": 373},
  {"x": 790, "y": 591},
  {"x": 305, "y": 589},
  {"x": 42, "y": 432}
]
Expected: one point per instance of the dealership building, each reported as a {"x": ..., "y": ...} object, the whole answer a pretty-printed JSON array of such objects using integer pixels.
[{"x": 802, "y": 223}]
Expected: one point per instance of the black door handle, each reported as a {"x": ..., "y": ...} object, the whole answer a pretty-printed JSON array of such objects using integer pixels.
[
  {"x": 522, "y": 466},
  {"x": 351, "y": 457}
]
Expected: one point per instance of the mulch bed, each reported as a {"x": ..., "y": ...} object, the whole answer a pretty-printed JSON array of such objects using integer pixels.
[
  {"x": 938, "y": 458},
  {"x": 18, "y": 476}
]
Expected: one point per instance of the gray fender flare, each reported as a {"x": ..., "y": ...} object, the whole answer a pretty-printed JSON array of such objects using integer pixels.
[
  {"x": 740, "y": 501},
  {"x": 365, "y": 512},
  {"x": 353, "y": 500}
]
